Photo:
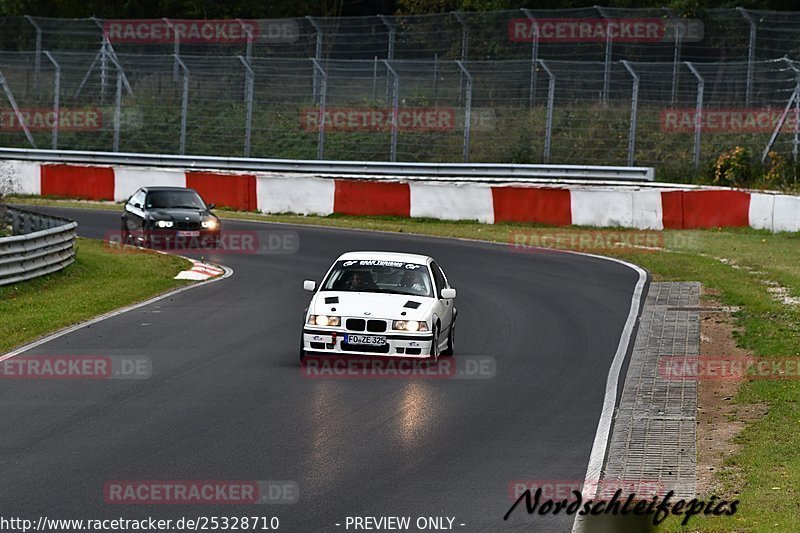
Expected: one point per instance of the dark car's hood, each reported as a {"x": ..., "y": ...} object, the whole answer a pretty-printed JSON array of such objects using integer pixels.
[{"x": 188, "y": 215}]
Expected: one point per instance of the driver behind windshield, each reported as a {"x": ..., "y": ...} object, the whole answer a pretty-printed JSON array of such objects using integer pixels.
[
  {"x": 360, "y": 281},
  {"x": 413, "y": 280}
]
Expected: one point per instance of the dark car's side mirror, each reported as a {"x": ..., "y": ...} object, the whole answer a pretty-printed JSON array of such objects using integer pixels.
[{"x": 211, "y": 206}]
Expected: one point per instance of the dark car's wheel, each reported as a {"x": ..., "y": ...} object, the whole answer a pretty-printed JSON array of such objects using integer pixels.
[
  {"x": 451, "y": 340},
  {"x": 124, "y": 234}
]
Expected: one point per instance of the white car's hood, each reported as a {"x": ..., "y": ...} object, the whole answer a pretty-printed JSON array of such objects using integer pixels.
[{"x": 378, "y": 305}]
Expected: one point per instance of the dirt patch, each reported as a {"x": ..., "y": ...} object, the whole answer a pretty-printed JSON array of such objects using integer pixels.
[{"x": 719, "y": 417}]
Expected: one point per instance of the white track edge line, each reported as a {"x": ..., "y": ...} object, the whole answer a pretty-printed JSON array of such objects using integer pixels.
[{"x": 601, "y": 438}]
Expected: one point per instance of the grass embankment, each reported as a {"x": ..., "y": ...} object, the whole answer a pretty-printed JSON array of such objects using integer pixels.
[
  {"x": 765, "y": 473},
  {"x": 100, "y": 280}
]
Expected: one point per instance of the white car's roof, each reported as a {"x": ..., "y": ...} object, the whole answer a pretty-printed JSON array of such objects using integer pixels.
[{"x": 388, "y": 256}]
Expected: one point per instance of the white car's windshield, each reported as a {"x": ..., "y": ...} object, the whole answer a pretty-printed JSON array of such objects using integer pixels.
[{"x": 375, "y": 275}]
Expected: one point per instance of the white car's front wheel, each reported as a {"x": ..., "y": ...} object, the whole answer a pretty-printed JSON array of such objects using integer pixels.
[
  {"x": 435, "y": 344},
  {"x": 451, "y": 340}
]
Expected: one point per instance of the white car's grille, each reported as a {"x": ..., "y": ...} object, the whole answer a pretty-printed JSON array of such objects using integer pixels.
[{"x": 360, "y": 324}]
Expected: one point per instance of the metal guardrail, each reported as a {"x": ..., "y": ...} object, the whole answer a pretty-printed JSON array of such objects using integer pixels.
[
  {"x": 512, "y": 172},
  {"x": 40, "y": 244}
]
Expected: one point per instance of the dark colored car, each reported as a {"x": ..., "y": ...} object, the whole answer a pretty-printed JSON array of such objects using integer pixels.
[{"x": 171, "y": 217}]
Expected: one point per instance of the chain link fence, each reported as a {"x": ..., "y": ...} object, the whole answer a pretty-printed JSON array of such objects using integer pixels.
[{"x": 584, "y": 86}]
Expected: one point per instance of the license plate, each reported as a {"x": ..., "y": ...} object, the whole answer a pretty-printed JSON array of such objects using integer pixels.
[
  {"x": 188, "y": 234},
  {"x": 369, "y": 340}
]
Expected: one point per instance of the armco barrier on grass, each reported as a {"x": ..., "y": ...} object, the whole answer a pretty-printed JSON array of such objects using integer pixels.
[{"x": 597, "y": 205}]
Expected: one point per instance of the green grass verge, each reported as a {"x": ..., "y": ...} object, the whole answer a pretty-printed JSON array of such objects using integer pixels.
[
  {"x": 765, "y": 473},
  {"x": 100, "y": 280}
]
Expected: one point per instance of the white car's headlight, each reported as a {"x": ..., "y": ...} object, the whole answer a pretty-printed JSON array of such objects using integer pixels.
[
  {"x": 164, "y": 223},
  {"x": 409, "y": 325},
  {"x": 324, "y": 320},
  {"x": 210, "y": 223}
]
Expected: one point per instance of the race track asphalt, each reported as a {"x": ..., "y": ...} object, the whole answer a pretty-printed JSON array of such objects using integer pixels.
[{"x": 227, "y": 400}]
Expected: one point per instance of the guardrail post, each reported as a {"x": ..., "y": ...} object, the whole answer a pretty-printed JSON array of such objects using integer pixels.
[
  {"x": 17, "y": 112},
  {"x": 467, "y": 110},
  {"x": 551, "y": 97},
  {"x": 395, "y": 107},
  {"x": 184, "y": 105},
  {"x": 37, "y": 60},
  {"x": 317, "y": 50},
  {"x": 117, "y": 111},
  {"x": 751, "y": 52},
  {"x": 634, "y": 111},
  {"x": 322, "y": 102},
  {"x": 248, "y": 103},
  {"x": 56, "y": 98},
  {"x": 698, "y": 117},
  {"x": 534, "y": 55},
  {"x": 607, "y": 61}
]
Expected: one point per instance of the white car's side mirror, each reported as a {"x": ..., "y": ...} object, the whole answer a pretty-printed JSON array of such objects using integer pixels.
[
  {"x": 448, "y": 294},
  {"x": 309, "y": 285}
]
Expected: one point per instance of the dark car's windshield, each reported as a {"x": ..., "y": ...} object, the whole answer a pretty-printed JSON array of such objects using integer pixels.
[
  {"x": 371, "y": 275},
  {"x": 174, "y": 199}
]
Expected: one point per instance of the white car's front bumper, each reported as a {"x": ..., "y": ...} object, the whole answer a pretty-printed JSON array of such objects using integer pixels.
[{"x": 318, "y": 341}]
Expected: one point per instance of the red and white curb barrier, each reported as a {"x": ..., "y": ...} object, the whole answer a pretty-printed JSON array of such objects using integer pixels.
[
  {"x": 598, "y": 206},
  {"x": 200, "y": 272}
]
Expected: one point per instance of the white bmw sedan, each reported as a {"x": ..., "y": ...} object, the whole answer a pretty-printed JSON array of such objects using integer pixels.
[{"x": 380, "y": 303}]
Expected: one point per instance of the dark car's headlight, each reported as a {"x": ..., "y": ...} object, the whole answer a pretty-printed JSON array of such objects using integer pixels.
[
  {"x": 324, "y": 320},
  {"x": 163, "y": 223},
  {"x": 409, "y": 325},
  {"x": 210, "y": 223}
]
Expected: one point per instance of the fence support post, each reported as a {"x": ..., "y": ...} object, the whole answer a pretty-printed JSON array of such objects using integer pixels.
[
  {"x": 751, "y": 52},
  {"x": 395, "y": 106},
  {"x": 176, "y": 51},
  {"x": 323, "y": 96},
  {"x": 56, "y": 97},
  {"x": 37, "y": 60},
  {"x": 390, "y": 52},
  {"x": 607, "y": 60},
  {"x": 16, "y": 109},
  {"x": 634, "y": 111},
  {"x": 248, "y": 103},
  {"x": 676, "y": 56},
  {"x": 534, "y": 56},
  {"x": 467, "y": 110},
  {"x": 184, "y": 105},
  {"x": 248, "y": 53},
  {"x": 464, "y": 47},
  {"x": 551, "y": 97},
  {"x": 698, "y": 116},
  {"x": 317, "y": 51},
  {"x": 117, "y": 111}
]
